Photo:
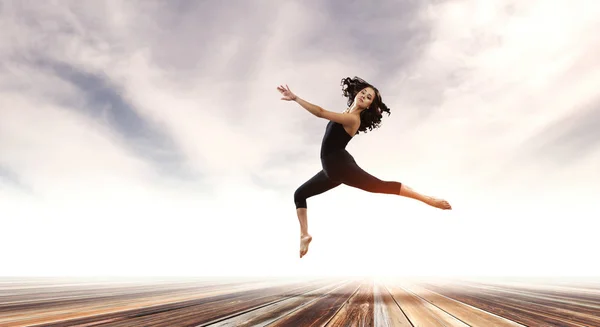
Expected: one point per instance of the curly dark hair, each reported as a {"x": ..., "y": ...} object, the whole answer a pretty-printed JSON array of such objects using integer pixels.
[{"x": 370, "y": 118}]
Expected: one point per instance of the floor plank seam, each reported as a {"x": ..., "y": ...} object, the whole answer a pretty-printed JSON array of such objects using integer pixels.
[
  {"x": 475, "y": 308},
  {"x": 233, "y": 315},
  {"x": 437, "y": 306},
  {"x": 308, "y": 303},
  {"x": 399, "y": 306},
  {"x": 343, "y": 304}
]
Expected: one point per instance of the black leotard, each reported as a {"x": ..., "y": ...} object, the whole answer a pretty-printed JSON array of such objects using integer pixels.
[
  {"x": 335, "y": 139},
  {"x": 339, "y": 167}
]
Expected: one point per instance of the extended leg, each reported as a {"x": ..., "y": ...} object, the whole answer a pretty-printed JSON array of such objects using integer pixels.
[
  {"x": 355, "y": 176},
  {"x": 434, "y": 202},
  {"x": 318, "y": 184}
]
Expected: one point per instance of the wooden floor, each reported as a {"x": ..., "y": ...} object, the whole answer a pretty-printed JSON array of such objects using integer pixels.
[{"x": 295, "y": 302}]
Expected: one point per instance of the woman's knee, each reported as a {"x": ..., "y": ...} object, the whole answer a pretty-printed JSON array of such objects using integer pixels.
[
  {"x": 298, "y": 194},
  {"x": 300, "y": 198}
]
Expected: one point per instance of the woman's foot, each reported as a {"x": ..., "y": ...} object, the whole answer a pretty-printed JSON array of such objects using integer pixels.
[
  {"x": 410, "y": 193},
  {"x": 304, "y": 242},
  {"x": 438, "y": 203}
]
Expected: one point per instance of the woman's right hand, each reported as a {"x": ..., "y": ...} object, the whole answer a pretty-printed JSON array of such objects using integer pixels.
[{"x": 287, "y": 93}]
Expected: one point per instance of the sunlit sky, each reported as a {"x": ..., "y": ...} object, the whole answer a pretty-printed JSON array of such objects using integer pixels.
[{"x": 148, "y": 138}]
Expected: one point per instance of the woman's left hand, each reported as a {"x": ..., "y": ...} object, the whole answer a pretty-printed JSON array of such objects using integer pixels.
[{"x": 287, "y": 93}]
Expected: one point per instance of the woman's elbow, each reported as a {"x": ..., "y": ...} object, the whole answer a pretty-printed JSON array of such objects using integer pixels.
[{"x": 319, "y": 112}]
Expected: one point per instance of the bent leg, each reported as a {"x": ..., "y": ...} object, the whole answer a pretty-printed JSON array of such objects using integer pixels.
[{"x": 318, "y": 184}]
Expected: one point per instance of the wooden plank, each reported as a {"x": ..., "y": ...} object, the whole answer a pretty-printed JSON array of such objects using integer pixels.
[
  {"x": 54, "y": 308},
  {"x": 201, "y": 313},
  {"x": 421, "y": 312},
  {"x": 469, "y": 314},
  {"x": 358, "y": 311},
  {"x": 517, "y": 310},
  {"x": 46, "y": 296},
  {"x": 58, "y": 304},
  {"x": 267, "y": 314},
  {"x": 588, "y": 304},
  {"x": 549, "y": 307},
  {"x": 195, "y": 309},
  {"x": 387, "y": 312},
  {"x": 320, "y": 311}
]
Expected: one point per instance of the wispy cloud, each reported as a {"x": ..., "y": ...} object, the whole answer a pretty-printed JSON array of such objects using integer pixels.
[
  {"x": 572, "y": 138},
  {"x": 11, "y": 179},
  {"x": 103, "y": 102}
]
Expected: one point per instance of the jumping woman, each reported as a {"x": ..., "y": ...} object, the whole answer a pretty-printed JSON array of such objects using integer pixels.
[{"x": 364, "y": 112}]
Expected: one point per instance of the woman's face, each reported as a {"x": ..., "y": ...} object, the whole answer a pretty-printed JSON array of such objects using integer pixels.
[{"x": 365, "y": 97}]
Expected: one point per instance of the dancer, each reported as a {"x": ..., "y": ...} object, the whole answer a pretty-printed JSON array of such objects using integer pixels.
[{"x": 364, "y": 112}]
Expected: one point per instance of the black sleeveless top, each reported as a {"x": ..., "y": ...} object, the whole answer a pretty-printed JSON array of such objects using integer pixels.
[{"x": 335, "y": 139}]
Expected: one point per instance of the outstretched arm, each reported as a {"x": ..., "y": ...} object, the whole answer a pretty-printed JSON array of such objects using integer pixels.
[
  {"x": 312, "y": 108},
  {"x": 346, "y": 120}
]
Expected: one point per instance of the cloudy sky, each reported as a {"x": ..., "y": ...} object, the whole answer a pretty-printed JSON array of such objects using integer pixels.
[{"x": 148, "y": 137}]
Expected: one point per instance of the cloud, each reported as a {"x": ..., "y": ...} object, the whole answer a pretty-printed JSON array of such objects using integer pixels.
[
  {"x": 65, "y": 68},
  {"x": 570, "y": 139},
  {"x": 383, "y": 39},
  {"x": 103, "y": 102},
  {"x": 11, "y": 179}
]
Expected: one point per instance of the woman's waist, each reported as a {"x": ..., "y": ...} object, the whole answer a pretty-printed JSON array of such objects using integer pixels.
[{"x": 336, "y": 155}]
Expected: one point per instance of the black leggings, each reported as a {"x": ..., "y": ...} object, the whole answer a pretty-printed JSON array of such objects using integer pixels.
[{"x": 340, "y": 168}]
